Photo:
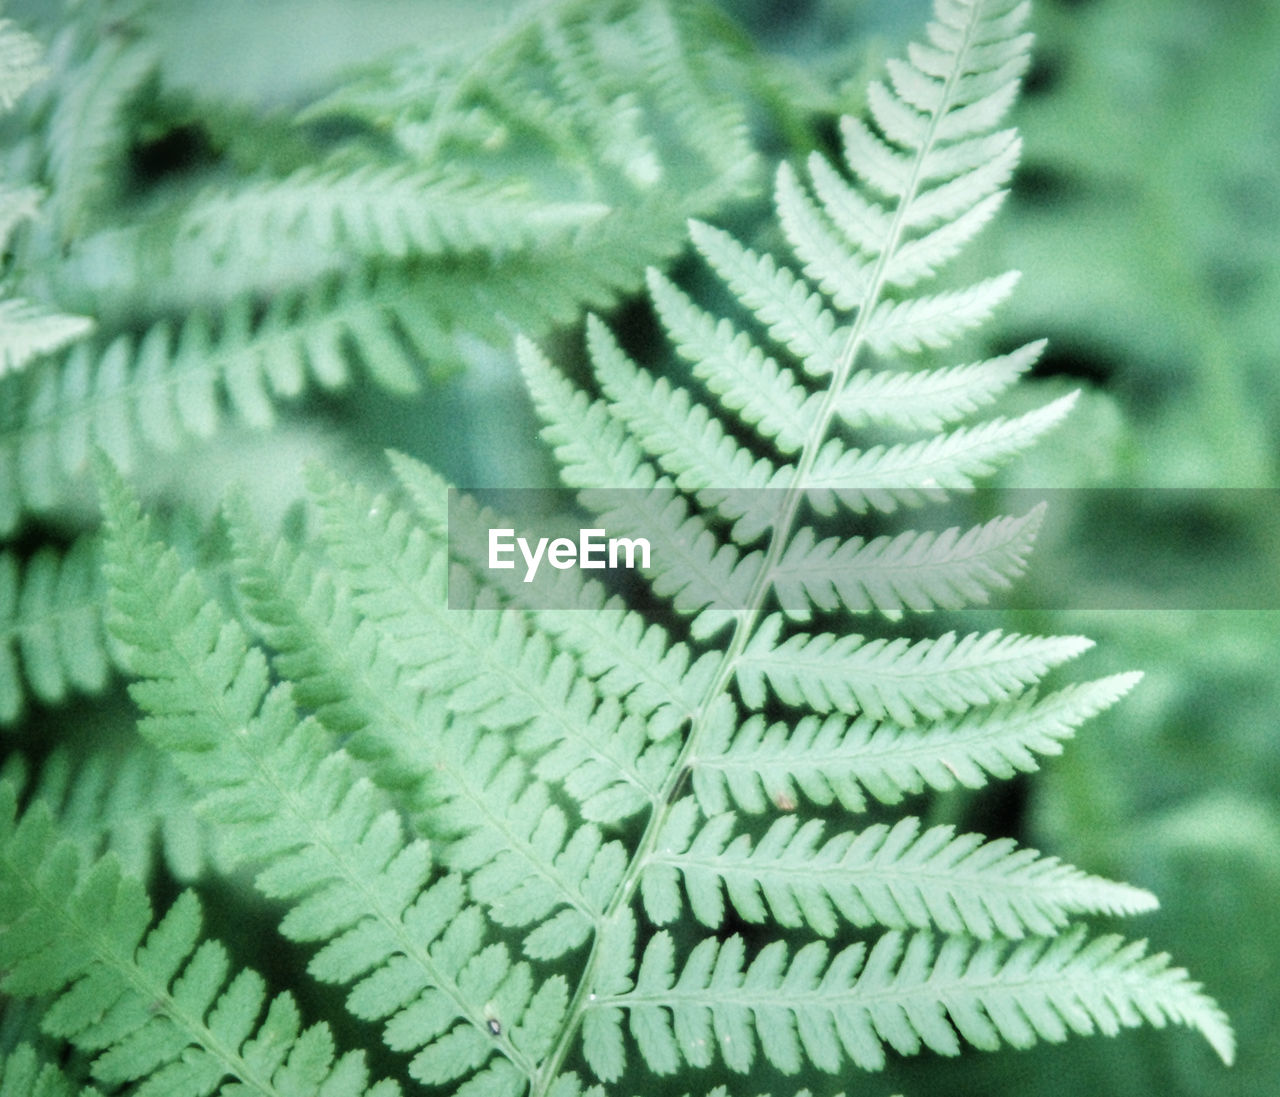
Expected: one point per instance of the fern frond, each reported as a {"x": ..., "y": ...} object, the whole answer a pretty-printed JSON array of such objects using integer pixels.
[
  {"x": 765, "y": 393},
  {"x": 651, "y": 460},
  {"x": 133, "y": 804},
  {"x": 29, "y": 330},
  {"x": 283, "y": 798},
  {"x": 896, "y": 678},
  {"x": 686, "y": 440},
  {"x": 930, "y": 399},
  {"x": 168, "y": 387},
  {"x": 898, "y": 876},
  {"x": 903, "y": 993},
  {"x": 497, "y": 819},
  {"x": 22, "y": 1074},
  {"x": 912, "y": 570},
  {"x": 907, "y": 473},
  {"x": 465, "y": 798},
  {"x": 793, "y": 314},
  {"x": 704, "y": 578},
  {"x": 489, "y": 665},
  {"x": 87, "y": 131},
  {"x": 153, "y": 1005},
  {"x": 378, "y": 213},
  {"x": 52, "y": 640},
  {"x": 937, "y": 320},
  {"x": 627, "y": 656},
  {"x": 759, "y": 765}
]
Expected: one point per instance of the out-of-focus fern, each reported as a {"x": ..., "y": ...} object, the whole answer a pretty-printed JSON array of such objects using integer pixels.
[
  {"x": 519, "y": 832},
  {"x": 27, "y": 329},
  {"x": 229, "y": 295},
  {"x": 51, "y": 635},
  {"x": 22, "y": 1074},
  {"x": 266, "y": 271}
]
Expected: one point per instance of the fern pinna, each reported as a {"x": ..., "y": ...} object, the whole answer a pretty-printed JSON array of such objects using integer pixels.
[{"x": 561, "y": 846}]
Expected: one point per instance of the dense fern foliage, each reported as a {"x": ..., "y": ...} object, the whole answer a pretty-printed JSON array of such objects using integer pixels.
[
  {"x": 570, "y": 839},
  {"x": 459, "y": 207}
]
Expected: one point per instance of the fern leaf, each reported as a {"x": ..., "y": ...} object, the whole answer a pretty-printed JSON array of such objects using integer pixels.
[
  {"x": 793, "y": 314},
  {"x": 936, "y": 320},
  {"x": 488, "y": 664},
  {"x": 899, "y": 877},
  {"x": 842, "y": 274},
  {"x": 87, "y": 134},
  {"x": 690, "y": 566},
  {"x": 758, "y": 765},
  {"x": 902, "y": 993},
  {"x": 895, "y": 677},
  {"x": 126, "y": 803},
  {"x": 527, "y": 864},
  {"x": 930, "y": 399},
  {"x": 628, "y": 657},
  {"x": 917, "y": 571},
  {"x": 922, "y": 257},
  {"x": 863, "y": 222},
  {"x": 149, "y": 1004},
  {"x": 377, "y": 213},
  {"x": 22, "y": 1074},
  {"x": 282, "y": 798},
  {"x": 28, "y": 331},
  {"x": 686, "y": 440},
  {"x": 50, "y": 616},
  {"x": 907, "y": 473},
  {"x": 765, "y": 393},
  {"x": 170, "y": 386}
]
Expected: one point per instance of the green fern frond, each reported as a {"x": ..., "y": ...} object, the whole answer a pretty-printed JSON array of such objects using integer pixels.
[
  {"x": 87, "y": 131},
  {"x": 284, "y": 800},
  {"x": 28, "y": 331},
  {"x": 495, "y": 818},
  {"x": 52, "y": 640},
  {"x": 22, "y": 1074},
  {"x": 930, "y": 399},
  {"x": 628, "y": 657},
  {"x": 703, "y": 577},
  {"x": 762, "y": 391},
  {"x": 898, "y": 876},
  {"x": 651, "y": 458},
  {"x": 908, "y": 473},
  {"x": 156, "y": 393},
  {"x": 130, "y": 803},
  {"x": 377, "y": 213},
  {"x": 902, "y": 993},
  {"x": 487, "y": 665},
  {"x": 912, "y": 570},
  {"x": 152, "y": 1005},
  {"x": 758, "y": 765},
  {"x": 896, "y": 678}
]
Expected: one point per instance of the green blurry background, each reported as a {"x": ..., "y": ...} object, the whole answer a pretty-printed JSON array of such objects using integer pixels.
[{"x": 1146, "y": 220}]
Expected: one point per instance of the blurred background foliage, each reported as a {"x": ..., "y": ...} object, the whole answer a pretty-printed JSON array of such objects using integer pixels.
[{"x": 1146, "y": 221}]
